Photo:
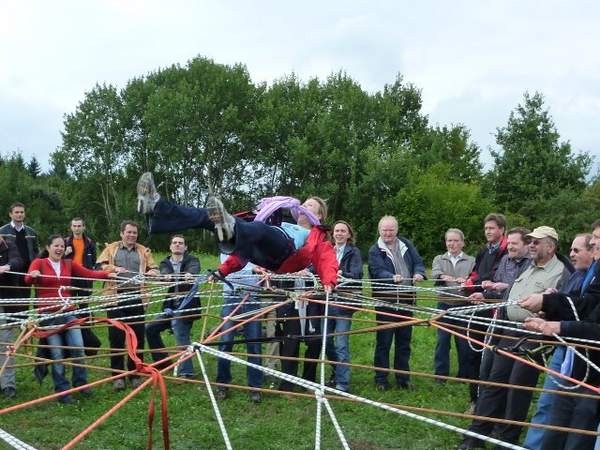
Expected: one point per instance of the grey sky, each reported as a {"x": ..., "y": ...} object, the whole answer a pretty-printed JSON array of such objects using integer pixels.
[{"x": 473, "y": 60}]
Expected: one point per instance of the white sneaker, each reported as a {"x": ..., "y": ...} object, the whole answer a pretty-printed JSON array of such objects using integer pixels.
[
  {"x": 223, "y": 221},
  {"x": 146, "y": 194}
]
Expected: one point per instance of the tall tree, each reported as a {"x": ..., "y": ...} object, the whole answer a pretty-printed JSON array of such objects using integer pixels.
[
  {"x": 93, "y": 149},
  {"x": 532, "y": 163},
  {"x": 33, "y": 167}
]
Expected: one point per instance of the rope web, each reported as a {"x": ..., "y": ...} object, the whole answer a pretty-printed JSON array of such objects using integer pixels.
[{"x": 260, "y": 298}]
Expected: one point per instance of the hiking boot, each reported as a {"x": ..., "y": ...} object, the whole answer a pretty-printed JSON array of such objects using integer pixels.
[
  {"x": 224, "y": 222},
  {"x": 135, "y": 382},
  {"x": 67, "y": 399},
  {"x": 146, "y": 194},
  {"x": 255, "y": 397},
  {"x": 118, "y": 385},
  {"x": 9, "y": 392},
  {"x": 222, "y": 393}
]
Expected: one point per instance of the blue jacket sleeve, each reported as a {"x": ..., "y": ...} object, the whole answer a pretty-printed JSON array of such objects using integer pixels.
[
  {"x": 354, "y": 266},
  {"x": 418, "y": 264},
  {"x": 378, "y": 268}
]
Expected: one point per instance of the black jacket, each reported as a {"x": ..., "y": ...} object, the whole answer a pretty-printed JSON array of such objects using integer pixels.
[
  {"x": 189, "y": 264},
  {"x": 9, "y": 254},
  {"x": 89, "y": 258},
  {"x": 558, "y": 308}
]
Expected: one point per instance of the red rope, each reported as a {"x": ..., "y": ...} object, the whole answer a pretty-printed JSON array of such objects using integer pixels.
[{"x": 158, "y": 382}]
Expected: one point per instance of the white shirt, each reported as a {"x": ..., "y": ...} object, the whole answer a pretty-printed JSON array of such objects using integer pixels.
[
  {"x": 14, "y": 225},
  {"x": 455, "y": 259},
  {"x": 56, "y": 266}
]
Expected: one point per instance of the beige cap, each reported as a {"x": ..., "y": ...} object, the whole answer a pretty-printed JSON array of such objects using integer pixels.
[{"x": 543, "y": 232}]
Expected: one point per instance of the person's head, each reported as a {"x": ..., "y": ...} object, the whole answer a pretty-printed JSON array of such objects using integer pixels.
[
  {"x": 388, "y": 229},
  {"x": 342, "y": 233},
  {"x": 543, "y": 244},
  {"x": 54, "y": 248},
  {"x": 16, "y": 212},
  {"x": 595, "y": 242},
  {"x": 177, "y": 246},
  {"x": 315, "y": 205},
  {"x": 77, "y": 226},
  {"x": 582, "y": 251},
  {"x": 455, "y": 241},
  {"x": 494, "y": 226},
  {"x": 129, "y": 233},
  {"x": 517, "y": 242}
]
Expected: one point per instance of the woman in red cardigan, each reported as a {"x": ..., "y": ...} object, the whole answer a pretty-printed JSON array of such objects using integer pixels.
[{"x": 51, "y": 275}]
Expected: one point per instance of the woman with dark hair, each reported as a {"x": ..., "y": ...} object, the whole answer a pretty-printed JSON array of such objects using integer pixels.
[
  {"x": 340, "y": 320},
  {"x": 51, "y": 274}
]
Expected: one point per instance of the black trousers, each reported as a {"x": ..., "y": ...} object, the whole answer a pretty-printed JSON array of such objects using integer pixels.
[
  {"x": 503, "y": 402},
  {"x": 116, "y": 337},
  {"x": 290, "y": 346}
]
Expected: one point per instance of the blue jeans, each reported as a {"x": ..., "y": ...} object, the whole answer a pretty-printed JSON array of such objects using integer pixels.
[
  {"x": 251, "y": 330},
  {"x": 573, "y": 412},
  {"x": 181, "y": 329},
  {"x": 442, "y": 350},
  {"x": 533, "y": 440},
  {"x": 72, "y": 338},
  {"x": 264, "y": 245},
  {"x": 383, "y": 345},
  {"x": 338, "y": 347}
]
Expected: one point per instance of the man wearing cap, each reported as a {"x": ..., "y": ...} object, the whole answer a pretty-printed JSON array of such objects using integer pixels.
[
  {"x": 560, "y": 319},
  {"x": 544, "y": 273}
]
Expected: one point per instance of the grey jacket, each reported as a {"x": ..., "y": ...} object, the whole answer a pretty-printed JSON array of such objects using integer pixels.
[{"x": 442, "y": 265}]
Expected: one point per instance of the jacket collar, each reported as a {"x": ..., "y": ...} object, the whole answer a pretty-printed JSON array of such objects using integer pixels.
[{"x": 402, "y": 247}]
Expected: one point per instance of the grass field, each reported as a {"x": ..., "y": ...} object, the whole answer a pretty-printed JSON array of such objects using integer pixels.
[{"x": 279, "y": 422}]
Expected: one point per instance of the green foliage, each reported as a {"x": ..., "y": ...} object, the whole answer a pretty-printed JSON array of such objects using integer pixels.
[
  {"x": 367, "y": 153},
  {"x": 533, "y": 165},
  {"x": 431, "y": 202}
]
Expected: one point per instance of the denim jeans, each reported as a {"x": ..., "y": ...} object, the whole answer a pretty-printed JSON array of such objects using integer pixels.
[
  {"x": 264, "y": 245},
  {"x": 251, "y": 330},
  {"x": 168, "y": 217},
  {"x": 534, "y": 438},
  {"x": 181, "y": 330},
  {"x": 573, "y": 412},
  {"x": 72, "y": 338},
  {"x": 383, "y": 345},
  {"x": 338, "y": 347},
  {"x": 442, "y": 349}
]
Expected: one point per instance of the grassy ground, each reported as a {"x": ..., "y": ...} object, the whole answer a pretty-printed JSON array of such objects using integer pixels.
[{"x": 277, "y": 423}]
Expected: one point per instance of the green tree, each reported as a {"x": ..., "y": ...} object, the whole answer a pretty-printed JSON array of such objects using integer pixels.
[
  {"x": 533, "y": 164},
  {"x": 431, "y": 202},
  {"x": 34, "y": 168},
  {"x": 93, "y": 150}
]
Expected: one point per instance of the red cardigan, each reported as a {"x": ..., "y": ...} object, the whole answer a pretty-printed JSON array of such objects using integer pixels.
[
  {"x": 52, "y": 284},
  {"x": 316, "y": 251}
]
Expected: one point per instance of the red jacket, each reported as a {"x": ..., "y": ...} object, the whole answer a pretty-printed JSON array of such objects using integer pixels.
[
  {"x": 317, "y": 251},
  {"x": 50, "y": 284}
]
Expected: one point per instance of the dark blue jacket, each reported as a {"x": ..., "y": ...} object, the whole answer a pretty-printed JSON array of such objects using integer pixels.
[
  {"x": 351, "y": 263},
  {"x": 381, "y": 266}
]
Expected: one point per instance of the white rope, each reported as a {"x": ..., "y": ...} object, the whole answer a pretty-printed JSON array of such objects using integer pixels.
[
  {"x": 336, "y": 425},
  {"x": 316, "y": 387},
  {"x": 14, "y": 442},
  {"x": 213, "y": 400}
]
